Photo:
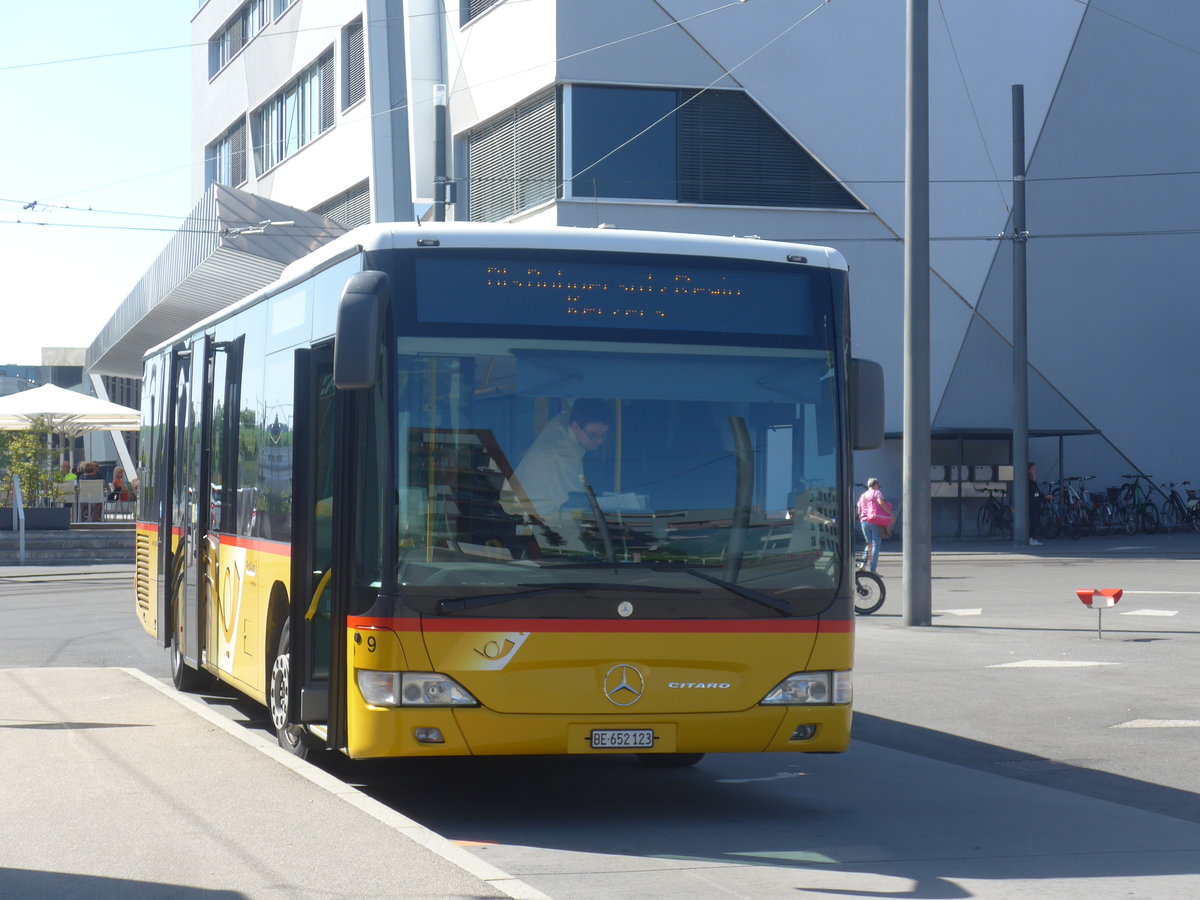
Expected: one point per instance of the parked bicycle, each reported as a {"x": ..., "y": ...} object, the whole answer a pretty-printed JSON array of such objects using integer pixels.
[
  {"x": 1076, "y": 508},
  {"x": 869, "y": 590},
  {"x": 1106, "y": 513},
  {"x": 1139, "y": 509},
  {"x": 995, "y": 516},
  {"x": 1051, "y": 516},
  {"x": 1175, "y": 512}
]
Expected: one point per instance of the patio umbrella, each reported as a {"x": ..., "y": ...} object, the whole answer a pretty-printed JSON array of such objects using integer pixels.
[{"x": 68, "y": 413}]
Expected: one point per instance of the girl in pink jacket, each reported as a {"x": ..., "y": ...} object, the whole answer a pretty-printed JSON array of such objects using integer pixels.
[{"x": 874, "y": 512}]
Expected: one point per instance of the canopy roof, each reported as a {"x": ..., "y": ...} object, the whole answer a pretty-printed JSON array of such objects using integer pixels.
[
  {"x": 232, "y": 244},
  {"x": 64, "y": 412}
]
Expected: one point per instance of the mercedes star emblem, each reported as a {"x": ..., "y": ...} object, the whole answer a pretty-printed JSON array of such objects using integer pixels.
[{"x": 623, "y": 685}]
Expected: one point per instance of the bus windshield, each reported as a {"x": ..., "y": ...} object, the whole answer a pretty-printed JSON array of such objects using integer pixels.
[{"x": 552, "y": 478}]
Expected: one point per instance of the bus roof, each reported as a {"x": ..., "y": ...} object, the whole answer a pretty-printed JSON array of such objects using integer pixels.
[{"x": 467, "y": 235}]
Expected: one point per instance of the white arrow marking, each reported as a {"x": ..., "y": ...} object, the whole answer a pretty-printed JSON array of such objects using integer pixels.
[
  {"x": 1151, "y": 612},
  {"x": 1050, "y": 664}
]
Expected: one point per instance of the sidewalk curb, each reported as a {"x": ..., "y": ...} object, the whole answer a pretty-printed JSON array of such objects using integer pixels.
[{"x": 502, "y": 881}]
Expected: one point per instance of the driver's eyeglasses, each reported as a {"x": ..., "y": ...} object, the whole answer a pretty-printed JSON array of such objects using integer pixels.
[{"x": 595, "y": 435}]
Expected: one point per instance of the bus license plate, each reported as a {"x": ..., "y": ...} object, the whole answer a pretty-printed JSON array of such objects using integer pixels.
[{"x": 618, "y": 738}]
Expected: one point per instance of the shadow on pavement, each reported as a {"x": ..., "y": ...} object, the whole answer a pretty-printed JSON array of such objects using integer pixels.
[
  {"x": 69, "y": 886},
  {"x": 865, "y": 813},
  {"x": 1027, "y": 767}
]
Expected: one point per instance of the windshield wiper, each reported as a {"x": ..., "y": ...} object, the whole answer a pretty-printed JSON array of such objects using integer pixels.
[
  {"x": 759, "y": 597},
  {"x": 453, "y": 604}
]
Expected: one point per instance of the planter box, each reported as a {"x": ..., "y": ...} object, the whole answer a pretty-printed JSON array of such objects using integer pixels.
[{"x": 38, "y": 518}]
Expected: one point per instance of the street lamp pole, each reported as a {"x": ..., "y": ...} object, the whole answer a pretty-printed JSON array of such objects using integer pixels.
[
  {"x": 1020, "y": 452},
  {"x": 917, "y": 518}
]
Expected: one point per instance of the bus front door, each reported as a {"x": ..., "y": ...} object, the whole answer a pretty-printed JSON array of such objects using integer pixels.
[
  {"x": 317, "y": 621},
  {"x": 188, "y": 513}
]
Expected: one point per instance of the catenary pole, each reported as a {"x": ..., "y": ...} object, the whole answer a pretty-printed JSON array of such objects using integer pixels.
[
  {"x": 917, "y": 520},
  {"x": 1020, "y": 451},
  {"x": 439, "y": 153}
]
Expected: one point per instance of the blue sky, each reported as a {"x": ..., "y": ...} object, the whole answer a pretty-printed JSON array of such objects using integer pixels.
[{"x": 108, "y": 133}]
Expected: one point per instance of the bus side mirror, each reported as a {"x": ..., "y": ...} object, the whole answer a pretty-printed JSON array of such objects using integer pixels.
[
  {"x": 360, "y": 320},
  {"x": 866, "y": 404}
]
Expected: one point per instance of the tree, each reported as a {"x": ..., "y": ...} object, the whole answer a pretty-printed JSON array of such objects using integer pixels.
[{"x": 26, "y": 455}]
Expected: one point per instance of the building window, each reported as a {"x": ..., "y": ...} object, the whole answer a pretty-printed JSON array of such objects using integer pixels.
[
  {"x": 249, "y": 20},
  {"x": 605, "y": 118},
  {"x": 279, "y": 7},
  {"x": 474, "y": 8},
  {"x": 354, "y": 65},
  {"x": 351, "y": 208},
  {"x": 295, "y": 116},
  {"x": 691, "y": 146},
  {"x": 225, "y": 158},
  {"x": 512, "y": 161}
]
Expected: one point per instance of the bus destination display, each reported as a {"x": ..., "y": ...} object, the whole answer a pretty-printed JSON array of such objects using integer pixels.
[{"x": 673, "y": 297}]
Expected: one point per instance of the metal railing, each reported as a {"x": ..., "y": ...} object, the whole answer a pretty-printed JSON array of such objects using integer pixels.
[{"x": 18, "y": 520}]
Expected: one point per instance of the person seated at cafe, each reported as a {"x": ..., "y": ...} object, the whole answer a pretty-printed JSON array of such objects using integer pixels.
[
  {"x": 120, "y": 486},
  {"x": 91, "y": 512}
]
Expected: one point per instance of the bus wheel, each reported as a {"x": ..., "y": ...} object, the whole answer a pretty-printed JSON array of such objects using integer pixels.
[
  {"x": 669, "y": 760},
  {"x": 292, "y": 738},
  {"x": 183, "y": 676}
]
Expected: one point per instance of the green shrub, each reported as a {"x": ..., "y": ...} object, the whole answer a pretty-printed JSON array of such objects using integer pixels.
[{"x": 26, "y": 455}]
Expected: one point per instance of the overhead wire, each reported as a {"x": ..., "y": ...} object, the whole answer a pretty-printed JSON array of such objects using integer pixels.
[
  {"x": 725, "y": 74},
  {"x": 970, "y": 100},
  {"x": 996, "y": 179},
  {"x": 1092, "y": 7},
  {"x": 399, "y": 107}
]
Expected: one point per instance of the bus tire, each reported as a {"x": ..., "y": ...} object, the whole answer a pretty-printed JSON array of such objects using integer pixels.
[
  {"x": 183, "y": 676},
  {"x": 669, "y": 760},
  {"x": 293, "y": 738}
]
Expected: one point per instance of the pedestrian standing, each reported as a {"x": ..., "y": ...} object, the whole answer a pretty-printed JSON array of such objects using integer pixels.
[{"x": 1035, "y": 506}]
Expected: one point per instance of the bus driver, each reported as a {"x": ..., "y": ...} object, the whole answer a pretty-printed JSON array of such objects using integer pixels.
[{"x": 552, "y": 468}]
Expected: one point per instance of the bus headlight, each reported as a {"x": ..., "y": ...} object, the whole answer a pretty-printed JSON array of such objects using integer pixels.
[
  {"x": 411, "y": 689},
  {"x": 809, "y": 688}
]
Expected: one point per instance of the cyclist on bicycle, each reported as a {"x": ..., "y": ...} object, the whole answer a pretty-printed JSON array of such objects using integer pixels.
[{"x": 874, "y": 512}]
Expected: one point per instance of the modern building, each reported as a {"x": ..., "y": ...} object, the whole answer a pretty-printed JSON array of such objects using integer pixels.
[{"x": 766, "y": 118}]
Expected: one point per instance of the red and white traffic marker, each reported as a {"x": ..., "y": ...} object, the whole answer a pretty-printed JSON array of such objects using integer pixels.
[{"x": 1099, "y": 600}]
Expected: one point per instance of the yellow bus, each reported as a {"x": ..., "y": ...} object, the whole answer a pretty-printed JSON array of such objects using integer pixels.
[{"x": 468, "y": 490}]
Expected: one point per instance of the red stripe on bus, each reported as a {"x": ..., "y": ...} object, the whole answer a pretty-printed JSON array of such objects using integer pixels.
[
  {"x": 280, "y": 548},
  {"x": 262, "y": 545},
  {"x": 596, "y": 626}
]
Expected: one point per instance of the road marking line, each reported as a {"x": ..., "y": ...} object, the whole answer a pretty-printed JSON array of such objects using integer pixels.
[
  {"x": 1050, "y": 664},
  {"x": 958, "y": 612},
  {"x": 1151, "y": 612},
  {"x": 1160, "y": 723},
  {"x": 804, "y": 856},
  {"x": 1164, "y": 593}
]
